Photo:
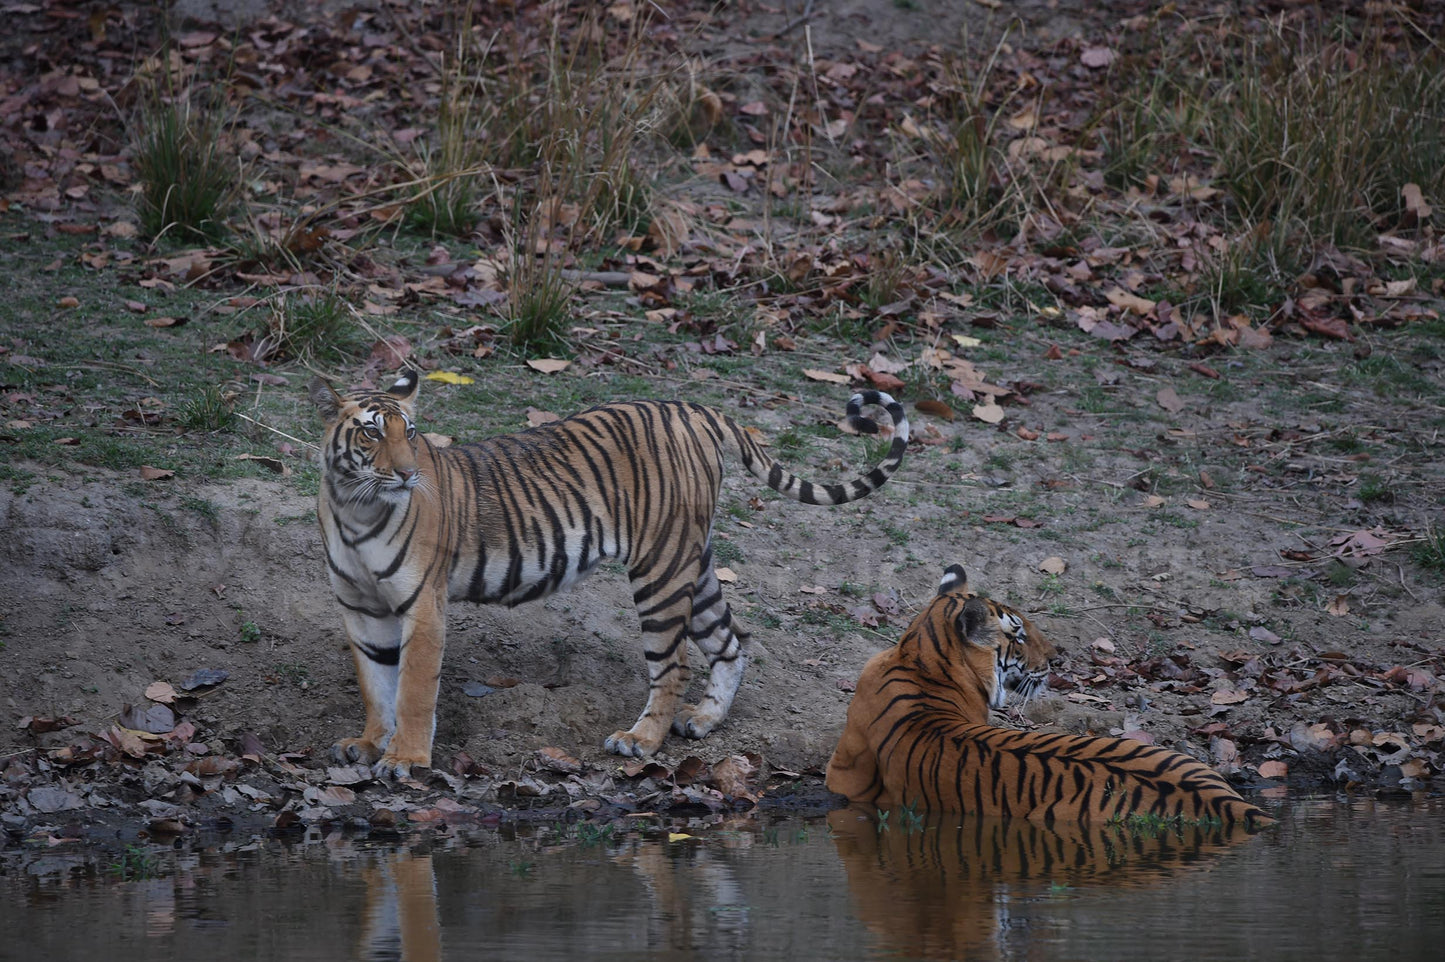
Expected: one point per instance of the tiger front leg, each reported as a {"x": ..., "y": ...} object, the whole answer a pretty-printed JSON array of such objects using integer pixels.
[
  {"x": 423, "y": 640},
  {"x": 376, "y": 650},
  {"x": 398, "y": 666}
]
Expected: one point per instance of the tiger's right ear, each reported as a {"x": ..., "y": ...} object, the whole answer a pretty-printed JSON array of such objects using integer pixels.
[
  {"x": 324, "y": 396},
  {"x": 954, "y": 577}
]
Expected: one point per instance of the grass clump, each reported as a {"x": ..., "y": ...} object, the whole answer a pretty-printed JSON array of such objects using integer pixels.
[
  {"x": 310, "y": 325},
  {"x": 539, "y": 295},
  {"x": 1325, "y": 139},
  {"x": 209, "y": 410},
  {"x": 1429, "y": 551},
  {"x": 187, "y": 176}
]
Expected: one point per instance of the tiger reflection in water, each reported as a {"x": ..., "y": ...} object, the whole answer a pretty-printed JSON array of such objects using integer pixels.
[{"x": 929, "y": 885}]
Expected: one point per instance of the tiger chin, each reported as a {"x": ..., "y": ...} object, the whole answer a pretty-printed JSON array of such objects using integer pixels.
[
  {"x": 917, "y": 733},
  {"x": 409, "y": 527}
]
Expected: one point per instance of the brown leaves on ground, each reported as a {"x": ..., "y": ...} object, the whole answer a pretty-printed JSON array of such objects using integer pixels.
[{"x": 1298, "y": 676}]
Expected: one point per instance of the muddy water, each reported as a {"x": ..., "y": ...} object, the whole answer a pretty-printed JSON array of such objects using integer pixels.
[{"x": 1334, "y": 879}]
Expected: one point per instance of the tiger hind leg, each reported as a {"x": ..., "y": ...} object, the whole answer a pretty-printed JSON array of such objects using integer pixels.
[
  {"x": 726, "y": 647},
  {"x": 664, "y": 607}
]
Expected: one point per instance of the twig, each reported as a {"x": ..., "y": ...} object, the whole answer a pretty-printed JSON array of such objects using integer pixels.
[
  {"x": 259, "y": 424},
  {"x": 797, "y": 21},
  {"x": 123, "y": 367}
]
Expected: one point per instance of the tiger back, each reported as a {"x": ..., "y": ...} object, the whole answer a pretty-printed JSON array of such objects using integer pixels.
[
  {"x": 917, "y": 733},
  {"x": 408, "y": 527}
]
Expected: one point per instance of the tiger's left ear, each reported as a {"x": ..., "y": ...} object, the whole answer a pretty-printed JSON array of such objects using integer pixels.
[
  {"x": 406, "y": 387},
  {"x": 324, "y": 396},
  {"x": 954, "y": 577},
  {"x": 977, "y": 624}
]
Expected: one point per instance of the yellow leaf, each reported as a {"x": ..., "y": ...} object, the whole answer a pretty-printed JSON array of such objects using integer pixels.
[
  {"x": 448, "y": 377},
  {"x": 677, "y": 836},
  {"x": 963, "y": 340}
]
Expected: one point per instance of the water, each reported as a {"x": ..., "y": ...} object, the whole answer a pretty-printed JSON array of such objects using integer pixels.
[{"x": 1335, "y": 879}]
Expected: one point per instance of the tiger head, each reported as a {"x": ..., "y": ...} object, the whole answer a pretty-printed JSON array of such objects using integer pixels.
[
  {"x": 369, "y": 449},
  {"x": 999, "y": 646}
]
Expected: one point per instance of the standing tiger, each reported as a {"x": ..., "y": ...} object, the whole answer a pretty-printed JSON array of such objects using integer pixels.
[
  {"x": 408, "y": 526},
  {"x": 917, "y": 732}
]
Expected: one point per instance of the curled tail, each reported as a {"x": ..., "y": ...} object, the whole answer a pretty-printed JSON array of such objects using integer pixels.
[{"x": 763, "y": 467}]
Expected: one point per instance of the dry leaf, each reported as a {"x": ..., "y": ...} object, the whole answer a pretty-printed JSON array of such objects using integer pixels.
[
  {"x": 936, "y": 408},
  {"x": 164, "y": 321},
  {"x": 1198, "y": 504},
  {"x": 1228, "y": 696},
  {"x": 829, "y": 376},
  {"x": 536, "y": 417},
  {"x": 730, "y": 776},
  {"x": 1152, "y": 501},
  {"x": 1130, "y": 302},
  {"x": 1169, "y": 401},
  {"x": 1339, "y": 606},
  {"x": 556, "y": 760},
  {"x": 726, "y": 575},
  {"x": 274, "y": 464},
  {"x": 149, "y": 473},
  {"x": 1052, "y": 565},
  {"x": 990, "y": 413},
  {"x": 161, "y": 691},
  {"x": 1273, "y": 769},
  {"x": 1226, "y": 755},
  {"x": 1415, "y": 201},
  {"x": 1103, "y": 644}
]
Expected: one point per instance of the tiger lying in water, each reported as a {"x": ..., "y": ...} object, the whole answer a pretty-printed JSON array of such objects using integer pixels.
[
  {"x": 917, "y": 732},
  {"x": 408, "y": 526}
]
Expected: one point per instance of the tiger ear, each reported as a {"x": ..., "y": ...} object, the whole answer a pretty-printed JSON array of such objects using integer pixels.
[
  {"x": 324, "y": 396},
  {"x": 954, "y": 577},
  {"x": 977, "y": 623},
  {"x": 406, "y": 387}
]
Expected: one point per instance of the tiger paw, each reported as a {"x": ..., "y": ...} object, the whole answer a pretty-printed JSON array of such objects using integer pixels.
[
  {"x": 350, "y": 751},
  {"x": 690, "y": 722},
  {"x": 630, "y": 744},
  {"x": 392, "y": 766}
]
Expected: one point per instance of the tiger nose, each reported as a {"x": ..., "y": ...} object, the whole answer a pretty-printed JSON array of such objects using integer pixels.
[{"x": 404, "y": 474}]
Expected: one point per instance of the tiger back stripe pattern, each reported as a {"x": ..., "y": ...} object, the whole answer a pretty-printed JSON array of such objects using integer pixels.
[
  {"x": 917, "y": 733},
  {"x": 408, "y": 527}
]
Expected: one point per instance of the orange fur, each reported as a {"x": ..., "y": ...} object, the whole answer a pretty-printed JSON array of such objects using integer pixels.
[
  {"x": 917, "y": 733},
  {"x": 409, "y": 527}
]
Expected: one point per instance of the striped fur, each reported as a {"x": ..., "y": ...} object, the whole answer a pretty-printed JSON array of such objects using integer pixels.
[
  {"x": 917, "y": 732},
  {"x": 409, "y": 526}
]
